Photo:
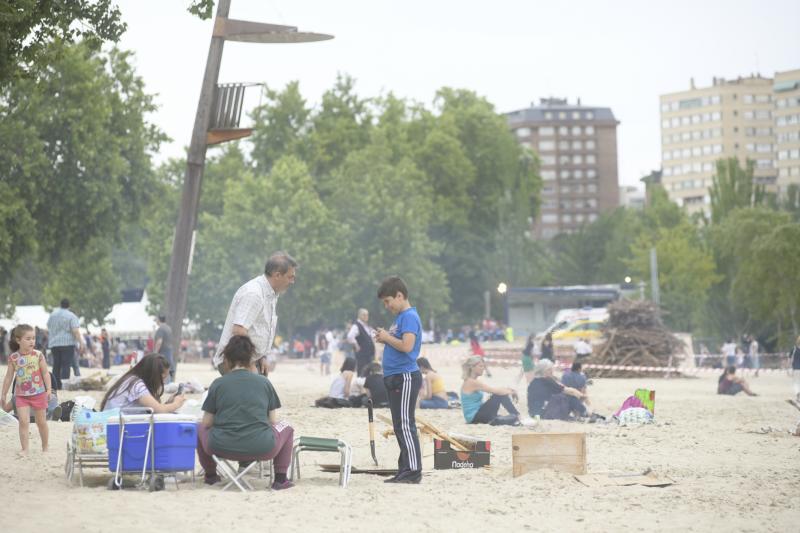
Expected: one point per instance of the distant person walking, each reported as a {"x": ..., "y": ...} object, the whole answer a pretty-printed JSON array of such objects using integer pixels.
[
  {"x": 360, "y": 337},
  {"x": 794, "y": 355},
  {"x": 63, "y": 327},
  {"x": 163, "y": 345},
  {"x": 729, "y": 352},
  {"x": 253, "y": 310},
  {"x": 105, "y": 344}
]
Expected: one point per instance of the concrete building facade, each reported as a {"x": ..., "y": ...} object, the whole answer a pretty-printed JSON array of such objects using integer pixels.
[
  {"x": 732, "y": 118},
  {"x": 577, "y": 150},
  {"x": 787, "y": 128}
]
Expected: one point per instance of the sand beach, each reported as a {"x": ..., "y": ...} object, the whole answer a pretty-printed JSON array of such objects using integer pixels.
[{"x": 735, "y": 466}]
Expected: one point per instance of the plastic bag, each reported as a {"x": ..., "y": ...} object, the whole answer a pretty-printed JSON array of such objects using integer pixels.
[
  {"x": 89, "y": 430},
  {"x": 7, "y": 419}
]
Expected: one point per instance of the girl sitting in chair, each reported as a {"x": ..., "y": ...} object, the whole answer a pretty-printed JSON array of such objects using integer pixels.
[{"x": 240, "y": 419}]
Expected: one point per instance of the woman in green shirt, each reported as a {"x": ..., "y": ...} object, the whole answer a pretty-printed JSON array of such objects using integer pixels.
[{"x": 240, "y": 418}]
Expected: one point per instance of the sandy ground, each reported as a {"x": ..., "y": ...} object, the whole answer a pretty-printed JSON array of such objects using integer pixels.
[{"x": 729, "y": 475}]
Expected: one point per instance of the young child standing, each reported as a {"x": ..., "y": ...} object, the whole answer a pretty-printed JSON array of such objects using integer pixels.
[
  {"x": 401, "y": 375},
  {"x": 33, "y": 387}
]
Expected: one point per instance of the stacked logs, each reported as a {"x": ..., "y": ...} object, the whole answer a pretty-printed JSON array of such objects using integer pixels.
[{"x": 635, "y": 336}]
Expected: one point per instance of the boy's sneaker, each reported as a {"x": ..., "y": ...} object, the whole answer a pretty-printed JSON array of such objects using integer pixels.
[{"x": 410, "y": 476}]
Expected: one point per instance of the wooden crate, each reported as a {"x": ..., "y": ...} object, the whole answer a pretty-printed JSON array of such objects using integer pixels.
[{"x": 565, "y": 452}]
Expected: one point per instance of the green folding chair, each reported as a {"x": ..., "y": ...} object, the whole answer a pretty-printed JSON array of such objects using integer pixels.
[{"x": 316, "y": 444}]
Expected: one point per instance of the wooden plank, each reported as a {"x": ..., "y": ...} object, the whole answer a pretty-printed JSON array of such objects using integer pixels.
[
  {"x": 549, "y": 444},
  {"x": 520, "y": 470}
]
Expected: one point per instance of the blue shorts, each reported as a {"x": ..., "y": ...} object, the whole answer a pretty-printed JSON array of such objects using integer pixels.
[{"x": 325, "y": 357}]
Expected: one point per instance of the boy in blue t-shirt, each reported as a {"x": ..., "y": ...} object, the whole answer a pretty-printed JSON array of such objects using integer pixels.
[{"x": 401, "y": 375}]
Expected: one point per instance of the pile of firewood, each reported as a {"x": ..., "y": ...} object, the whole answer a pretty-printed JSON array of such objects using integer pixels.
[{"x": 635, "y": 336}]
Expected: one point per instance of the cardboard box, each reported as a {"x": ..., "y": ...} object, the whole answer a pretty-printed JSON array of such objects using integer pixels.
[
  {"x": 565, "y": 452},
  {"x": 446, "y": 458}
]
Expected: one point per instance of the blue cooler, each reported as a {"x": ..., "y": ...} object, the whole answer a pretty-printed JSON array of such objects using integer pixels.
[{"x": 175, "y": 442}]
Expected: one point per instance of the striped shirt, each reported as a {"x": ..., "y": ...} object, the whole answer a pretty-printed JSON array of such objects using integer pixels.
[{"x": 59, "y": 327}]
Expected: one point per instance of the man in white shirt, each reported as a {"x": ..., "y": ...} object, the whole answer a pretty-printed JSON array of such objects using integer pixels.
[
  {"x": 582, "y": 349},
  {"x": 252, "y": 311},
  {"x": 360, "y": 336}
]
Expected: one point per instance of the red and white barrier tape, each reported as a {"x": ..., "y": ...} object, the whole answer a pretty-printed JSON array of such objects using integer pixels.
[{"x": 666, "y": 369}]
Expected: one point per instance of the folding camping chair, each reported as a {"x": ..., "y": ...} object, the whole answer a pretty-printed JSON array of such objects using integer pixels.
[
  {"x": 236, "y": 476},
  {"x": 316, "y": 444}
]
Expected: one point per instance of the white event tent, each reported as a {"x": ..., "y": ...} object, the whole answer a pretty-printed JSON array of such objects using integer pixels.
[{"x": 126, "y": 319}]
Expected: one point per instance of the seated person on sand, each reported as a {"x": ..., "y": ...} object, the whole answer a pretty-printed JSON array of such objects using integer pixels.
[
  {"x": 240, "y": 417},
  {"x": 342, "y": 387},
  {"x": 576, "y": 379},
  {"x": 731, "y": 384},
  {"x": 475, "y": 410},
  {"x": 432, "y": 395},
  {"x": 142, "y": 386},
  {"x": 374, "y": 387},
  {"x": 545, "y": 389}
]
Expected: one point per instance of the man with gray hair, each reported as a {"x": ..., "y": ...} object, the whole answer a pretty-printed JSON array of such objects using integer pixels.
[
  {"x": 360, "y": 336},
  {"x": 252, "y": 311}
]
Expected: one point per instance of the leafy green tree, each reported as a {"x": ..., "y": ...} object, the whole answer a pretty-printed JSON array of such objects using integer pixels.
[
  {"x": 686, "y": 272},
  {"x": 737, "y": 300},
  {"x": 88, "y": 279},
  {"x": 280, "y": 127},
  {"x": 75, "y": 163},
  {"x": 341, "y": 126},
  {"x": 30, "y": 27},
  {"x": 262, "y": 214},
  {"x": 732, "y": 187}
]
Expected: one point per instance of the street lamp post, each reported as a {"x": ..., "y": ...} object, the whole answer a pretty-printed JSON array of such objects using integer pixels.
[
  {"x": 212, "y": 128},
  {"x": 502, "y": 288}
]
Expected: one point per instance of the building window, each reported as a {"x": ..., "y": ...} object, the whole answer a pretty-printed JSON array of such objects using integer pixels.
[
  {"x": 577, "y": 145},
  {"x": 564, "y": 174},
  {"x": 548, "y": 115},
  {"x": 578, "y": 174},
  {"x": 563, "y": 160},
  {"x": 747, "y": 98},
  {"x": 547, "y": 145},
  {"x": 548, "y": 159},
  {"x": 563, "y": 130},
  {"x": 523, "y": 132},
  {"x": 548, "y": 175},
  {"x": 589, "y": 115},
  {"x": 590, "y": 159},
  {"x": 547, "y": 131},
  {"x": 591, "y": 173},
  {"x": 590, "y": 145},
  {"x": 591, "y": 187},
  {"x": 562, "y": 115},
  {"x": 577, "y": 159},
  {"x": 567, "y": 219},
  {"x": 588, "y": 130},
  {"x": 576, "y": 130},
  {"x": 549, "y": 218},
  {"x": 576, "y": 115}
]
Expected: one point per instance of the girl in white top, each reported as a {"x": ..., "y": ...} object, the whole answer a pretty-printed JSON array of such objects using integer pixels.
[
  {"x": 341, "y": 386},
  {"x": 142, "y": 386}
]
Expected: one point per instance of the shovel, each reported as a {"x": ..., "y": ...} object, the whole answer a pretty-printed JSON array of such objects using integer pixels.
[{"x": 371, "y": 432}]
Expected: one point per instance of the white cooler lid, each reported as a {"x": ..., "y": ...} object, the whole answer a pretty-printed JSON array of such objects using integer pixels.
[{"x": 159, "y": 418}]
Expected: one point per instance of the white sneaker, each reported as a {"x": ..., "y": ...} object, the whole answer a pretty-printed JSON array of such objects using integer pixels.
[{"x": 528, "y": 422}]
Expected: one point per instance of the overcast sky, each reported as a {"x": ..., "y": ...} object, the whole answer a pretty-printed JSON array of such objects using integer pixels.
[{"x": 617, "y": 54}]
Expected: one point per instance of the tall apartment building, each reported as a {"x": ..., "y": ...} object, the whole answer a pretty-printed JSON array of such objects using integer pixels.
[
  {"x": 577, "y": 149},
  {"x": 731, "y": 118},
  {"x": 787, "y": 127}
]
